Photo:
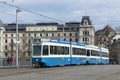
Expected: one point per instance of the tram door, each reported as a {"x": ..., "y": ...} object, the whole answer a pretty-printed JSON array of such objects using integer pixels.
[{"x": 88, "y": 56}]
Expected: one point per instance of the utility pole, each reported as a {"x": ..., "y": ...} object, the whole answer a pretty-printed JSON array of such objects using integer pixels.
[{"x": 17, "y": 11}]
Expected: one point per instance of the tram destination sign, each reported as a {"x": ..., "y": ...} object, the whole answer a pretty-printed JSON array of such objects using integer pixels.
[{"x": 36, "y": 40}]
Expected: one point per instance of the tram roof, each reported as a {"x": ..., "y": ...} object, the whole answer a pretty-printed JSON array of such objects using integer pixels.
[{"x": 57, "y": 40}]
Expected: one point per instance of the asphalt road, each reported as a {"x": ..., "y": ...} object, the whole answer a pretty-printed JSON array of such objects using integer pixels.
[{"x": 82, "y": 72}]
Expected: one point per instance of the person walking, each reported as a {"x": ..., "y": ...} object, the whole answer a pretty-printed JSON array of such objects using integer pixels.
[
  {"x": 8, "y": 61},
  {"x": 11, "y": 61}
]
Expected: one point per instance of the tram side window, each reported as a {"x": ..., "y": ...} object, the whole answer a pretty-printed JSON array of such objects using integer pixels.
[
  {"x": 95, "y": 53},
  {"x": 53, "y": 50},
  {"x": 66, "y": 50},
  {"x": 45, "y": 50},
  {"x": 79, "y": 51},
  {"x": 63, "y": 50},
  {"x": 58, "y": 50},
  {"x": 92, "y": 52},
  {"x": 83, "y": 52},
  {"x": 104, "y": 54},
  {"x": 74, "y": 51},
  {"x": 98, "y": 54},
  {"x": 88, "y": 52}
]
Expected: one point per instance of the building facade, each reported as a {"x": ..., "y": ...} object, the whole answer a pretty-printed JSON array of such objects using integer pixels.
[
  {"x": 86, "y": 31},
  {"x": 72, "y": 31}
]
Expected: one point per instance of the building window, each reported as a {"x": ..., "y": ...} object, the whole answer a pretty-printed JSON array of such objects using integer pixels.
[
  {"x": 11, "y": 35},
  {"x": 29, "y": 54},
  {"x": 40, "y": 34},
  {"x": 23, "y": 54},
  {"x": 5, "y": 35},
  {"x": 53, "y": 34},
  {"x": 34, "y": 29},
  {"x": 58, "y": 34},
  {"x": 64, "y": 34},
  {"x": 70, "y": 39},
  {"x": 23, "y": 41},
  {"x": 29, "y": 41},
  {"x": 52, "y": 28},
  {"x": 86, "y": 32},
  {"x": 23, "y": 35},
  {"x": 70, "y": 34},
  {"x": 29, "y": 35},
  {"x": 11, "y": 40},
  {"x": 5, "y": 40},
  {"x": 85, "y": 39},
  {"x": 85, "y": 22},
  {"x": 46, "y": 34},
  {"x": 34, "y": 34},
  {"x": 76, "y": 34},
  {"x": 28, "y": 29},
  {"x": 76, "y": 39},
  {"x": 6, "y": 47}
]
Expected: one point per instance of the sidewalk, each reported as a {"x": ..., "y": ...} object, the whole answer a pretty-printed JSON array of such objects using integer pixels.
[
  {"x": 7, "y": 67},
  {"x": 11, "y": 67}
]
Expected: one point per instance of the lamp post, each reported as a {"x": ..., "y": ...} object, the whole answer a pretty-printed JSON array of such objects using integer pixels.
[{"x": 17, "y": 11}]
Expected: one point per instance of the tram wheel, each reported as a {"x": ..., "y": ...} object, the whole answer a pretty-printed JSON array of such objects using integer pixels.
[{"x": 43, "y": 65}]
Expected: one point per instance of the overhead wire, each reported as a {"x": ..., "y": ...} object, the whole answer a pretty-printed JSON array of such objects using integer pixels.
[
  {"x": 15, "y": 15},
  {"x": 32, "y": 12}
]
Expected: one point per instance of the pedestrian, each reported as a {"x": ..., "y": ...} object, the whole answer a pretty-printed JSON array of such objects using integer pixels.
[
  {"x": 8, "y": 61},
  {"x": 11, "y": 60}
]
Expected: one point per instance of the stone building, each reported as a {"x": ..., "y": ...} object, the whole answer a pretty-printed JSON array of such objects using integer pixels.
[
  {"x": 103, "y": 37},
  {"x": 72, "y": 31},
  {"x": 86, "y": 31}
]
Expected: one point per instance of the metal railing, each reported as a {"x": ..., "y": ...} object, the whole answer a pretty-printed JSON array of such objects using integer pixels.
[{"x": 23, "y": 62}]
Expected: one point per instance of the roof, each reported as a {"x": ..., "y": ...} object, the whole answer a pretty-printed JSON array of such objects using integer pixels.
[
  {"x": 86, "y": 18},
  {"x": 12, "y": 27},
  {"x": 47, "y": 23}
]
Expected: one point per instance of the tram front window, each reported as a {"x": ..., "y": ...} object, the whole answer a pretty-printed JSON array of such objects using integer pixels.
[{"x": 36, "y": 50}]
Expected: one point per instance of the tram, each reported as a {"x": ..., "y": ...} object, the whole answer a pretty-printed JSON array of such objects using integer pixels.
[{"x": 56, "y": 52}]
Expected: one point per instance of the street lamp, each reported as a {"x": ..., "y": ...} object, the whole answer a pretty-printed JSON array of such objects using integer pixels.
[{"x": 17, "y": 11}]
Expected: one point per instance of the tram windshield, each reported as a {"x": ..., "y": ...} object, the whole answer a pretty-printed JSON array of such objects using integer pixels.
[{"x": 36, "y": 50}]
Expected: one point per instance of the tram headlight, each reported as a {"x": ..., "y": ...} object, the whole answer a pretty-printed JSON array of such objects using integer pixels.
[{"x": 36, "y": 59}]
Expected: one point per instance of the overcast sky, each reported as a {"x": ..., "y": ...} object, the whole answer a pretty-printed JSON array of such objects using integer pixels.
[{"x": 101, "y": 12}]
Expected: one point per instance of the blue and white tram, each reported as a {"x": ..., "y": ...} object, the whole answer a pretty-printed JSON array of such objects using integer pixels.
[
  {"x": 57, "y": 53},
  {"x": 97, "y": 55},
  {"x": 105, "y": 56},
  {"x": 93, "y": 54},
  {"x": 54, "y": 52},
  {"x": 78, "y": 54}
]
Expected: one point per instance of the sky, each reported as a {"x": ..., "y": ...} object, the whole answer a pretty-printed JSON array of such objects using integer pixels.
[{"x": 101, "y": 12}]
